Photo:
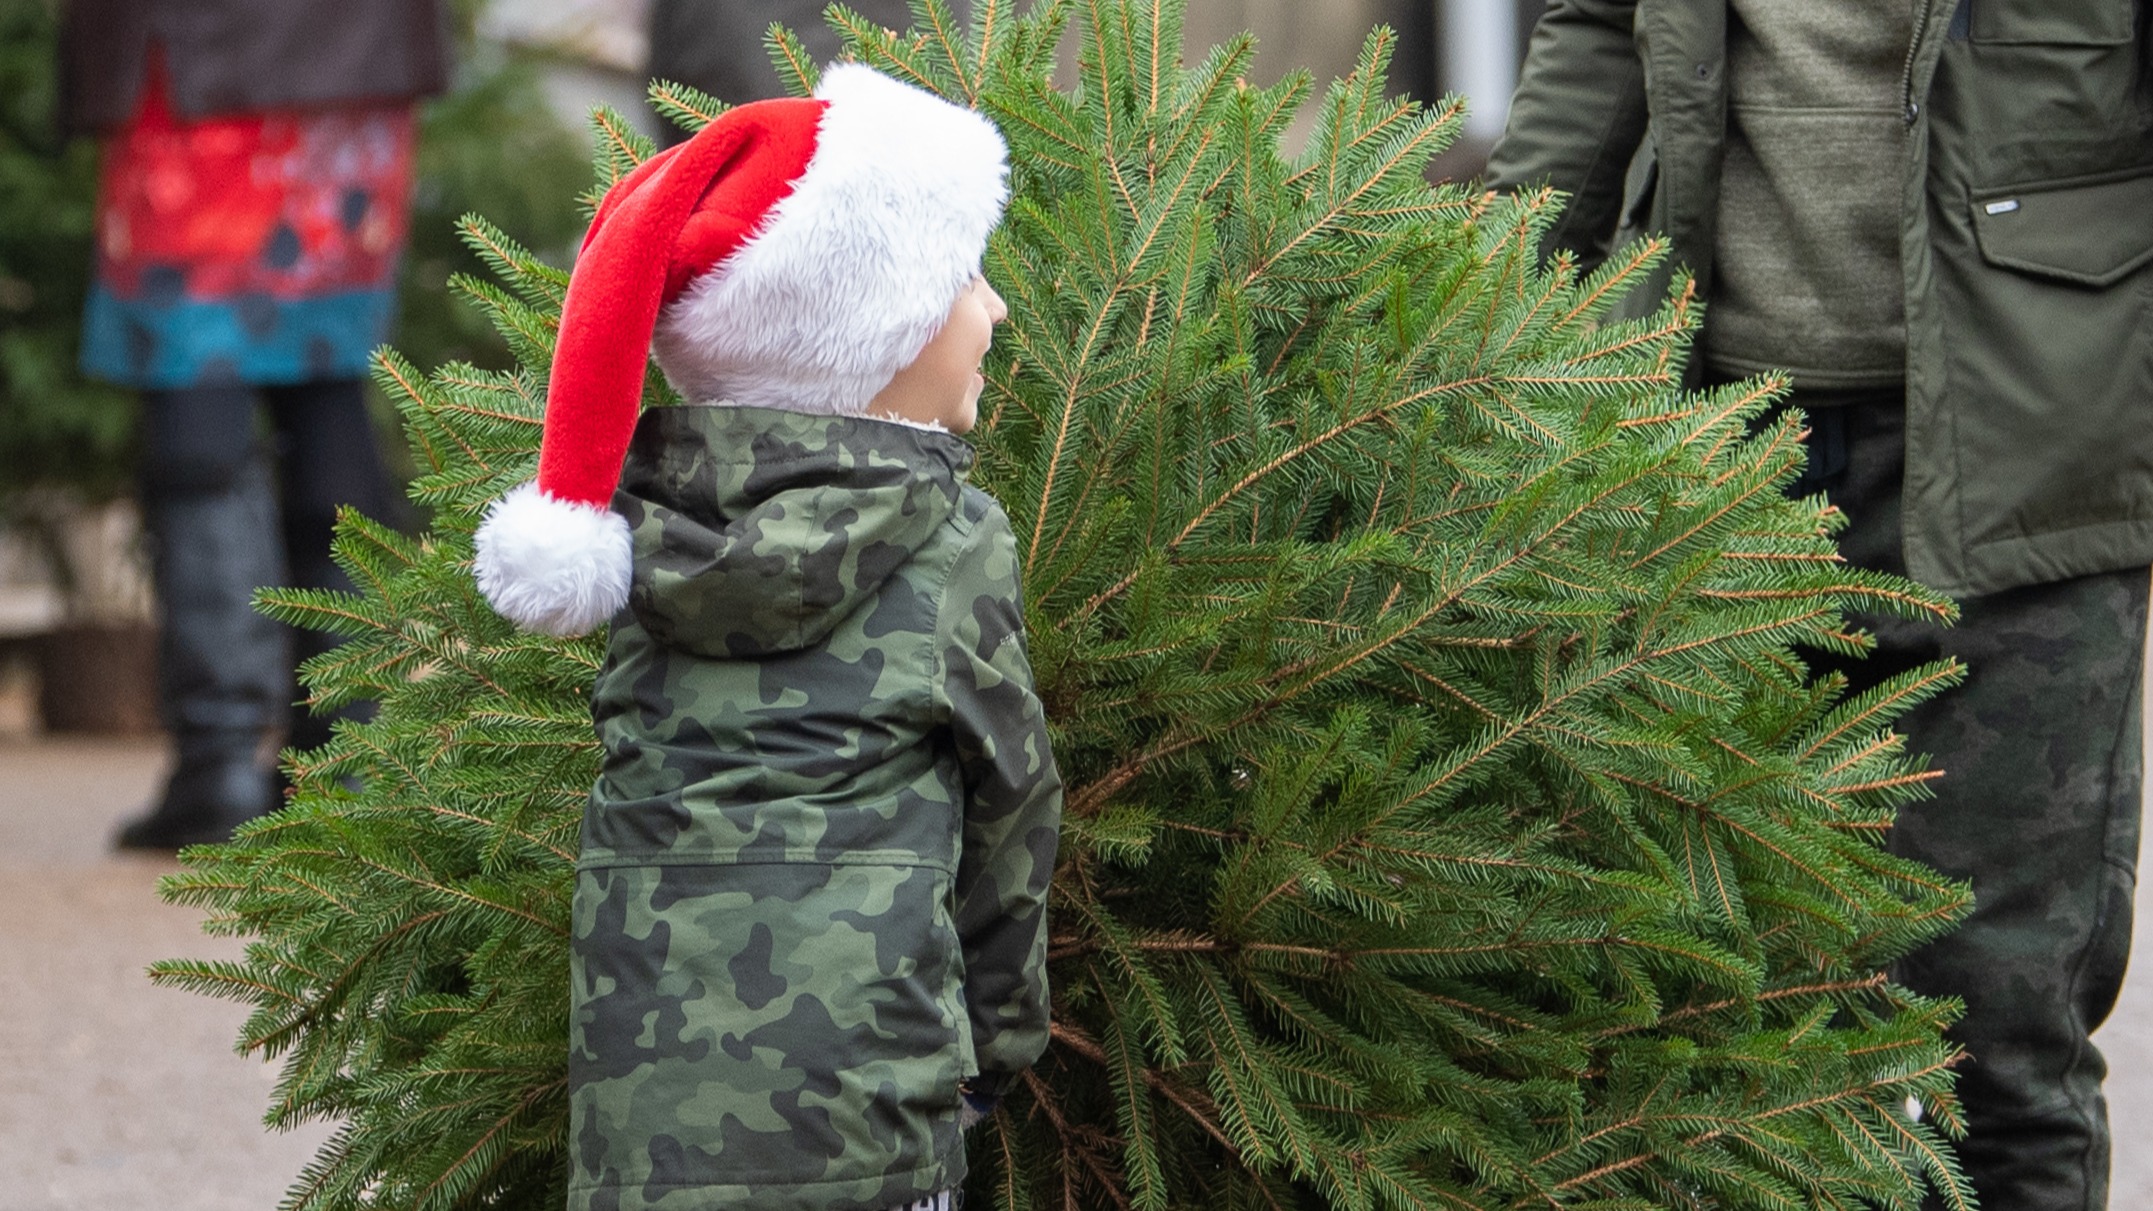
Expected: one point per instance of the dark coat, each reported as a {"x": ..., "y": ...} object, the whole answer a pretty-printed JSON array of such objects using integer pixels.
[
  {"x": 721, "y": 47},
  {"x": 231, "y": 56},
  {"x": 2026, "y": 244}
]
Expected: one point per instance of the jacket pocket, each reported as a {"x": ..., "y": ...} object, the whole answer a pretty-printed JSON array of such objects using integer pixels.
[
  {"x": 2090, "y": 231},
  {"x": 2052, "y": 22},
  {"x": 2048, "y": 343}
]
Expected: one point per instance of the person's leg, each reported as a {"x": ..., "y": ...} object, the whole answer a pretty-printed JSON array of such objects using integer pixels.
[
  {"x": 327, "y": 457},
  {"x": 2039, "y": 809},
  {"x": 211, "y": 521}
]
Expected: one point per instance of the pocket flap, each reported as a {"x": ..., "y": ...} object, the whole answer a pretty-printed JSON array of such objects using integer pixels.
[
  {"x": 2051, "y": 22},
  {"x": 2091, "y": 232}
]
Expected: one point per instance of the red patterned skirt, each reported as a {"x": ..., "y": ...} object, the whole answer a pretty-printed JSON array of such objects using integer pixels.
[{"x": 254, "y": 247}]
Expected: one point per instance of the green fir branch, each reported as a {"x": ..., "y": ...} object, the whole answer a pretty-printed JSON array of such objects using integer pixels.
[{"x": 1454, "y": 822}]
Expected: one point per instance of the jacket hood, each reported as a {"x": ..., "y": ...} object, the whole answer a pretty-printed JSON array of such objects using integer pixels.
[{"x": 773, "y": 527}]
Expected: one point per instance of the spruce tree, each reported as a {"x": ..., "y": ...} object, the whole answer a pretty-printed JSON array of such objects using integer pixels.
[{"x": 1453, "y": 820}]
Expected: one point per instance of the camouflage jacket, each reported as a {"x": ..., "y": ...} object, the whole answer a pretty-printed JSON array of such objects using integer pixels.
[{"x": 812, "y": 893}]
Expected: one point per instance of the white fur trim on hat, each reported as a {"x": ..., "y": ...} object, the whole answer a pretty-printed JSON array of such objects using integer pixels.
[
  {"x": 553, "y": 566},
  {"x": 857, "y": 267}
]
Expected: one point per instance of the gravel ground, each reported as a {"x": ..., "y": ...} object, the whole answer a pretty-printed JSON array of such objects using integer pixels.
[{"x": 117, "y": 1094}]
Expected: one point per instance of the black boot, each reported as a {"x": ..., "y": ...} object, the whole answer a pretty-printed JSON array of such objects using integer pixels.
[
  {"x": 219, "y": 784},
  {"x": 224, "y": 671}
]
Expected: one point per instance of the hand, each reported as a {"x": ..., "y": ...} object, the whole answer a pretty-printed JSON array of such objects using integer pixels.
[{"x": 977, "y": 1107}]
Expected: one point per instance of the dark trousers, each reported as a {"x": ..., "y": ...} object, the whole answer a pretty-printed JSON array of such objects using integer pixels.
[
  {"x": 234, "y": 505},
  {"x": 2038, "y": 808}
]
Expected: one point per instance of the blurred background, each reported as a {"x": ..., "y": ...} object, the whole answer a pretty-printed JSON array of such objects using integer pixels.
[
  {"x": 507, "y": 140},
  {"x": 111, "y": 1090}
]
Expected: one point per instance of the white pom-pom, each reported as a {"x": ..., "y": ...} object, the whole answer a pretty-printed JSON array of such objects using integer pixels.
[{"x": 553, "y": 566}]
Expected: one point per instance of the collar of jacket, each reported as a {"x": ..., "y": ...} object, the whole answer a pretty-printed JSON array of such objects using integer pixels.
[{"x": 759, "y": 531}]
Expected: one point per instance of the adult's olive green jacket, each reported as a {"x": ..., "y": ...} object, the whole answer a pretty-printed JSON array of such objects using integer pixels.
[{"x": 2026, "y": 241}]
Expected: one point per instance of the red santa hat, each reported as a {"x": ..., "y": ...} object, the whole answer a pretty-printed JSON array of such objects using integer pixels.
[{"x": 794, "y": 254}]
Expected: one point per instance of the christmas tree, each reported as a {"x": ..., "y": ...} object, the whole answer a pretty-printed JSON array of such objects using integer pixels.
[{"x": 1453, "y": 822}]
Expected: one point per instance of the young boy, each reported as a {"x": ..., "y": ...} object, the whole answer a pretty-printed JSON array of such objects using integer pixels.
[{"x": 810, "y": 908}]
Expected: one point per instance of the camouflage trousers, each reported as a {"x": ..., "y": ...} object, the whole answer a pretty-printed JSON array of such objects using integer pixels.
[{"x": 2038, "y": 808}]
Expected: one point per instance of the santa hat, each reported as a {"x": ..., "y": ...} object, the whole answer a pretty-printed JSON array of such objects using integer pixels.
[{"x": 794, "y": 254}]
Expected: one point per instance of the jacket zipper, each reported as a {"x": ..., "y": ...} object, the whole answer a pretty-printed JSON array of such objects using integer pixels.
[{"x": 1909, "y": 109}]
